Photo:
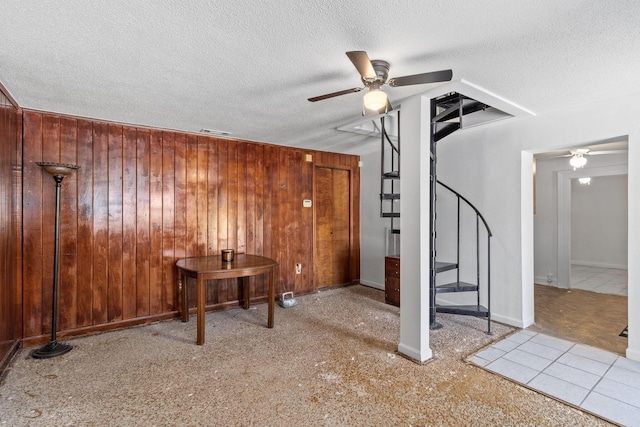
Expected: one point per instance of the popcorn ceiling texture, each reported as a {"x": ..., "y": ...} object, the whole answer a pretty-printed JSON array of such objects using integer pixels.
[
  {"x": 330, "y": 361},
  {"x": 248, "y": 67}
]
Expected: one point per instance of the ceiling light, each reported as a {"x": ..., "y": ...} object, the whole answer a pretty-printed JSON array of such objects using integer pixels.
[
  {"x": 375, "y": 99},
  {"x": 585, "y": 181},
  {"x": 578, "y": 161}
]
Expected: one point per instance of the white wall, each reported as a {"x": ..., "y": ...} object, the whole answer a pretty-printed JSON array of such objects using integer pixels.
[
  {"x": 599, "y": 222},
  {"x": 372, "y": 227},
  {"x": 546, "y": 216}
]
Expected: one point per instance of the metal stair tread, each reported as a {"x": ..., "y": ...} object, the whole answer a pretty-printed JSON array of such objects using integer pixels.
[
  {"x": 466, "y": 310},
  {"x": 390, "y": 215},
  {"x": 459, "y": 286},
  {"x": 390, "y": 196},
  {"x": 392, "y": 175},
  {"x": 445, "y": 266}
]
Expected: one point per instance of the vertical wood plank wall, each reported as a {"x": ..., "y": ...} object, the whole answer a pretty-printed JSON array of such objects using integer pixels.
[
  {"x": 9, "y": 232},
  {"x": 143, "y": 198}
]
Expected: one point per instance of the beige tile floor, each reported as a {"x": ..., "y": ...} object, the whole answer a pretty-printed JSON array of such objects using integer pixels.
[{"x": 599, "y": 279}]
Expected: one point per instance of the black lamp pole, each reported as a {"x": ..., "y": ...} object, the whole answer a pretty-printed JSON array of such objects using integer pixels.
[{"x": 54, "y": 348}]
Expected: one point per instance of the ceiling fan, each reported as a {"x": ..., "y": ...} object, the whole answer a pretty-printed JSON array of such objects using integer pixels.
[
  {"x": 374, "y": 74},
  {"x": 578, "y": 158}
]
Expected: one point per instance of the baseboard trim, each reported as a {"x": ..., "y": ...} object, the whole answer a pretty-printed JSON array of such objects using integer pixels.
[
  {"x": 413, "y": 354},
  {"x": 8, "y": 357},
  {"x": 372, "y": 284},
  {"x": 542, "y": 280},
  {"x": 633, "y": 354}
]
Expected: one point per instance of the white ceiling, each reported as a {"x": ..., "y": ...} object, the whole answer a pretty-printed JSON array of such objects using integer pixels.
[{"x": 248, "y": 66}]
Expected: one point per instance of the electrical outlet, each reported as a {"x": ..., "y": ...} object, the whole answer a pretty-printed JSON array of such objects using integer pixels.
[{"x": 298, "y": 268}]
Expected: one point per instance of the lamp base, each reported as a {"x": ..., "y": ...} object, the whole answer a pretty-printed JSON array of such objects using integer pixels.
[{"x": 53, "y": 349}]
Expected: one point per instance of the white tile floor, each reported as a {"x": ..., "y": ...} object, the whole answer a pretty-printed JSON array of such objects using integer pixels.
[
  {"x": 595, "y": 380},
  {"x": 599, "y": 279}
]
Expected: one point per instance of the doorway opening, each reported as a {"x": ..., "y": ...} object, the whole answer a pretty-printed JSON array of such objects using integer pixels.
[{"x": 580, "y": 232}]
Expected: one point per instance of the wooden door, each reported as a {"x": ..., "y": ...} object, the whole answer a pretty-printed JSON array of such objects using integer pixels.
[{"x": 332, "y": 189}]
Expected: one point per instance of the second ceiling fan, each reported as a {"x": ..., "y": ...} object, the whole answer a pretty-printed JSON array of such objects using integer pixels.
[{"x": 374, "y": 74}]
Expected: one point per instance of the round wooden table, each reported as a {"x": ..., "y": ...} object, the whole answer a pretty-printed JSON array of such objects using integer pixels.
[{"x": 214, "y": 268}]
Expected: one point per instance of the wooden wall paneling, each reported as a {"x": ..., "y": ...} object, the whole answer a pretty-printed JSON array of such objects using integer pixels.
[
  {"x": 212, "y": 197},
  {"x": 85, "y": 234},
  {"x": 10, "y": 241},
  {"x": 295, "y": 254},
  {"x": 255, "y": 209},
  {"x": 191, "y": 237},
  {"x": 269, "y": 210},
  {"x": 115, "y": 282},
  {"x": 260, "y": 199},
  {"x": 168, "y": 222},
  {"x": 223, "y": 210},
  {"x": 306, "y": 249},
  {"x": 68, "y": 254},
  {"x": 223, "y": 192},
  {"x": 288, "y": 218},
  {"x": 32, "y": 227},
  {"x": 17, "y": 214},
  {"x": 270, "y": 198},
  {"x": 192, "y": 195},
  {"x": 143, "y": 207},
  {"x": 50, "y": 153},
  {"x": 155, "y": 222},
  {"x": 241, "y": 206},
  {"x": 232, "y": 212},
  {"x": 249, "y": 180},
  {"x": 202, "y": 194},
  {"x": 146, "y": 197},
  {"x": 129, "y": 223},
  {"x": 180, "y": 213},
  {"x": 100, "y": 221},
  {"x": 201, "y": 224}
]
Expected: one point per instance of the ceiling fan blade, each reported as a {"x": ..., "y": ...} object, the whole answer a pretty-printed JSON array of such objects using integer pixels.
[
  {"x": 591, "y": 153},
  {"x": 362, "y": 63},
  {"x": 418, "y": 79},
  {"x": 334, "y": 94}
]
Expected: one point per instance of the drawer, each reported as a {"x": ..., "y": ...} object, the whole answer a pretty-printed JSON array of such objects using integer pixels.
[
  {"x": 392, "y": 267},
  {"x": 392, "y": 291}
]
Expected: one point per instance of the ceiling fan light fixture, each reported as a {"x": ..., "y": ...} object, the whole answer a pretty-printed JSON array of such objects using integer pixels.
[
  {"x": 375, "y": 99},
  {"x": 578, "y": 161},
  {"x": 585, "y": 180}
]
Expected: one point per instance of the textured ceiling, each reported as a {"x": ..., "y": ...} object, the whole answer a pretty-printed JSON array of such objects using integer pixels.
[{"x": 248, "y": 67}]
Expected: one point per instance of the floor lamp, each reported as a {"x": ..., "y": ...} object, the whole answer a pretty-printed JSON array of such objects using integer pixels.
[{"x": 54, "y": 348}]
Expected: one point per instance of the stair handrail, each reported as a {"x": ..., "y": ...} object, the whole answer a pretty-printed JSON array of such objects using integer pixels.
[{"x": 471, "y": 205}]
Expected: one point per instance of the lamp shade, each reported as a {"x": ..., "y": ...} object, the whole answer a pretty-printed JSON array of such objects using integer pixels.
[{"x": 375, "y": 99}]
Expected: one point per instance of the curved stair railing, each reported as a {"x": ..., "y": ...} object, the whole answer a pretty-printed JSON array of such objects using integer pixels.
[
  {"x": 447, "y": 113},
  {"x": 476, "y": 310}
]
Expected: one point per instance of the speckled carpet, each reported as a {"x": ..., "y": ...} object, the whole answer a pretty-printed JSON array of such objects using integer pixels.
[{"x": 330, "y": 361}]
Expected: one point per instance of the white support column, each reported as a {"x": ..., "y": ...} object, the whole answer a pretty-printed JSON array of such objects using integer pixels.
[
  {"x": 633, "y": 267},
  {"x": 415, "y": 233}
]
